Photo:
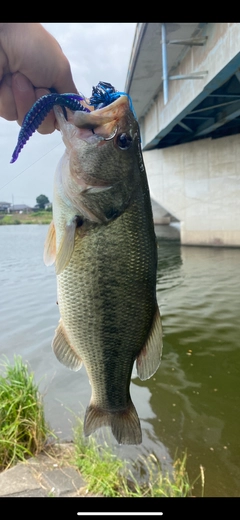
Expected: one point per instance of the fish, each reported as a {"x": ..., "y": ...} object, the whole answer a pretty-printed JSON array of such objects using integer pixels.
[{"x": 103, "y": 245}]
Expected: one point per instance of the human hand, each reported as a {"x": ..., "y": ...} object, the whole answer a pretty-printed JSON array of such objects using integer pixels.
[{"x": 31, "y": 62}]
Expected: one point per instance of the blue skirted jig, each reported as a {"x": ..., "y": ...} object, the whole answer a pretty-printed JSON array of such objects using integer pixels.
[{"x": 102, "y": 95}]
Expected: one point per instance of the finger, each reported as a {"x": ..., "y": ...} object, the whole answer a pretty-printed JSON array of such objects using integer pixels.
[
  {"x": 64, "y": 82},
  {"x": 24, "y": 95},
  {"x": 8, "y": 108},
  {"x": 49, "y": 124}
]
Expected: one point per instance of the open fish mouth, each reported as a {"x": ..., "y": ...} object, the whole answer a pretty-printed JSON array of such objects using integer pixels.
[
  {"x": 103, "y": 95},
  {"x": 101, "y": 124}
]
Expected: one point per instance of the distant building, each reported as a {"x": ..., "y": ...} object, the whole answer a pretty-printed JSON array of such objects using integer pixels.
[
  {"x": 46, "y": 206},
  {"x": 4, "y": 207},
  {"x": 19, "y": 208}
]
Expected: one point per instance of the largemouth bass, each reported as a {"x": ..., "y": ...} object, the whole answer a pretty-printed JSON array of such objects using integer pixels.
[{"x": 103, "y": 244}]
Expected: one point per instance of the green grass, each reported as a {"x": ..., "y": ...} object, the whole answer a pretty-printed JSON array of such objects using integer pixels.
[
  {"x": 23, "y": 433},
  {"x": 38, "y": 217},
  {"x": 110, "y": 476},
  {"x": 23, "y": 429},
  {"x": 9, "y": 219},
  {"x": 97, "y": 464}
]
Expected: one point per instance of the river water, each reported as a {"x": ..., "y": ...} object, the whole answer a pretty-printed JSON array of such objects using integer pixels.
[{"x": 192, "y": 403}]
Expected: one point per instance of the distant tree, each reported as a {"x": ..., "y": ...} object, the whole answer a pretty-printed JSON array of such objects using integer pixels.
[{"x": 42, "y": 200}]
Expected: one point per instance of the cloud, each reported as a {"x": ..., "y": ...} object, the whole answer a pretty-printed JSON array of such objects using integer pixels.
[{"x": 96, "y": 49}]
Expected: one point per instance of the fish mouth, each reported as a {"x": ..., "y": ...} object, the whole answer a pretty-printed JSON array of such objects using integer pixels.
[
  {"x": 96, "y": 125},
  {"x": 103, "y": 95}
]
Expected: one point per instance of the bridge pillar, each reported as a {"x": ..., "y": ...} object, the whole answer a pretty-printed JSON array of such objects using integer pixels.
[{"x": 199, "y": 183}]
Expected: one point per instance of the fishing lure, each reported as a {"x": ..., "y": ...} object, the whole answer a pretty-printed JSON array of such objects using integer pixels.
[
  {"x": 39, "y": 111},
  {"x": 102, "y": 95}
]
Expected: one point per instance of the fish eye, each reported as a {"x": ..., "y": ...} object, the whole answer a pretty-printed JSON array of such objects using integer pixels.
[{"x": 124, "y": 141}]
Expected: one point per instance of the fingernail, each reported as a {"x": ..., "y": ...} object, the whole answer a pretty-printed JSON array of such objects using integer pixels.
[
  {"x": 41, "y": 92},
  {"x": 21, "y": 81}
]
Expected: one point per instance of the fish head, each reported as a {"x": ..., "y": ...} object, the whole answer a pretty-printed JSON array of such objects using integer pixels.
[{"x": 103, "y": 149}]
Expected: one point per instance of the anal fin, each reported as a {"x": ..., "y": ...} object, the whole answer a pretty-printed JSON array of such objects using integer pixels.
[
  {"x": 149, "y": 358},
  {"x": 63, "y": 351}
]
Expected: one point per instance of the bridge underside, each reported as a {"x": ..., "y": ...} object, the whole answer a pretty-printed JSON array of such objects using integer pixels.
[
  {"x": 191, "y": 131},
  {"x": 217, "y": 115},
  {"x": 214, "y": 113}
]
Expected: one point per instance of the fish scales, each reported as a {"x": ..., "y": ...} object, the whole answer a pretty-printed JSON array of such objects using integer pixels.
[
  {"x": 105, "y": 292},
  {"x": 103, "y": 243}
]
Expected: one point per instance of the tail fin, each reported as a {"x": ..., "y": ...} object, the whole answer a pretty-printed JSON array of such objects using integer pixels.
[{"x": 125, "y": 424}]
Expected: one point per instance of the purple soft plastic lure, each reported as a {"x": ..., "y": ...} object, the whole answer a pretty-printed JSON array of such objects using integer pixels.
[
  {"x": 39, "y": 111},
  {"x": 102, "y": 95}
]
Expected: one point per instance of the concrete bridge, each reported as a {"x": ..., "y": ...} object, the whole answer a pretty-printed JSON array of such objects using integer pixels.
[{"x": 184, "y": 80}]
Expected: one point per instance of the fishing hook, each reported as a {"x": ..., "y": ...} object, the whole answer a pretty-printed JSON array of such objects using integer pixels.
[{"x": 106, "y": 138}]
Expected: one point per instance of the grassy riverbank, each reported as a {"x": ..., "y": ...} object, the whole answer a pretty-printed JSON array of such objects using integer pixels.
[
  {"x": 23, "y": 430},
  {"x": 24, "y": 433},
  {"x": 107, "y": 475},
  {"x": 38, "y": 217}
]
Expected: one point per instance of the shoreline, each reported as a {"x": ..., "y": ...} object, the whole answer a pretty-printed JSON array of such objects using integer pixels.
[
  {"x": 40, "y": 217},
  {"x": 47, "y": 474}
]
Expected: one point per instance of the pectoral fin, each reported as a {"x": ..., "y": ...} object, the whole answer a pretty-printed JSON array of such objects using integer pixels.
[
  {"x": 63, "y": 351},
  {"x": 149, "y": 358},
  {"x": 49, "y": 254},
  {"x": 66, "y": 247}
]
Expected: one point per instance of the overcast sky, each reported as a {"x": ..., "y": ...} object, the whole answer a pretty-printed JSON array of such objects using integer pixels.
[{"x": 97, "y": 52}]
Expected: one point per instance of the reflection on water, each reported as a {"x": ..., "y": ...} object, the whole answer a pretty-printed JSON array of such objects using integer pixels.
[
  {"x": 192, "y": 402},
  {"x": 199, "y": 378}
]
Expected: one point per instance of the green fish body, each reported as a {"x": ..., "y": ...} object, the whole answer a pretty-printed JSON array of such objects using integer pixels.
[{"x": 103, "y": 244}]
